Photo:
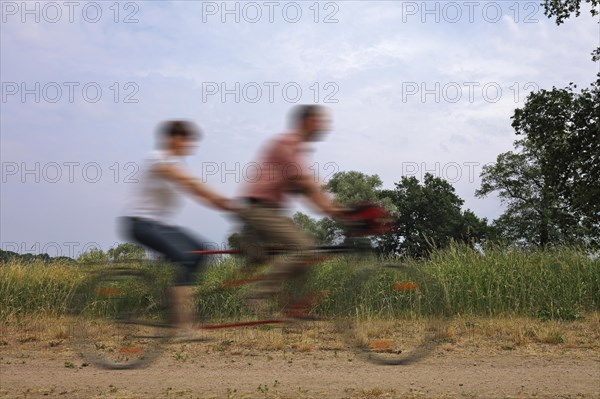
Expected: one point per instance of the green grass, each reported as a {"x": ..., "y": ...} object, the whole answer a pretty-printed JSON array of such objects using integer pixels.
[
  {"x": 36, "y": 287},
  {"x": 551, "y": 284},
  {"x": 548, "y": 284}
]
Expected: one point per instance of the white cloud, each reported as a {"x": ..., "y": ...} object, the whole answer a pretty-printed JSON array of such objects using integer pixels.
[{"x": 373, "y": 54}]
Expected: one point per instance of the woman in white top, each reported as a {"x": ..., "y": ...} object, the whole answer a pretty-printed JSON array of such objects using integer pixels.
[{"x": 156, "y": 198}]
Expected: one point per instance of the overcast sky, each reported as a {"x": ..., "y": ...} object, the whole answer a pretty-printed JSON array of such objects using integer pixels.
[{"x": 412, "y": 87}]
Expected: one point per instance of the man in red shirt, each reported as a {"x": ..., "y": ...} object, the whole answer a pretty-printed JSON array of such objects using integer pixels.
[{"x": 283, "y": 171}]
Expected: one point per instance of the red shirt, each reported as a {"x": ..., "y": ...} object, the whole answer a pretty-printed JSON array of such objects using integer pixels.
[{"x": 278, "y": 170}]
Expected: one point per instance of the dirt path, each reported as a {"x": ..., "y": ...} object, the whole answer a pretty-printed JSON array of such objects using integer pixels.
[{"x": 452, "y": 372}]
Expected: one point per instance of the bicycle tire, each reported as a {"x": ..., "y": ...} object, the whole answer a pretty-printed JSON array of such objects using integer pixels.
[
  {"x": 122, "y": 319},
  {"x": 406, "y": 320}
]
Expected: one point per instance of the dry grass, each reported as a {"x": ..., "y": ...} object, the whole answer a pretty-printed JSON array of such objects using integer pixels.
[
  {"x": 462, "y": 334},
  {"x": 527, "y": 334}
]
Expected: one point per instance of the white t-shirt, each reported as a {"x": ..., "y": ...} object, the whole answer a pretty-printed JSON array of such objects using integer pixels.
[{"x": 154, "y": 197}]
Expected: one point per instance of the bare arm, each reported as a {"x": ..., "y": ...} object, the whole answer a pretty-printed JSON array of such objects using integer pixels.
[
  {"x": 318, "y": 197},
  {"x": 193, "y": 186}
]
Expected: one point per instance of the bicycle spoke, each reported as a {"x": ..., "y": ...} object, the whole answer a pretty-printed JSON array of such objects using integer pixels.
[
  {"x": 124, "y": 321},
  {"x": 406, "y": 318}
]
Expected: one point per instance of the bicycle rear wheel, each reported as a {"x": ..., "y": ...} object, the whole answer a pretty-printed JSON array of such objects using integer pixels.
[
  {"x": 122, "y": 319},
  {"x": 401, "y": 315}
]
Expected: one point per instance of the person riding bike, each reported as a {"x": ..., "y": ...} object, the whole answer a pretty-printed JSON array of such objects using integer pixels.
[
  {"x": 155, "y": 200},
  {"x": 284, "y": 171}
]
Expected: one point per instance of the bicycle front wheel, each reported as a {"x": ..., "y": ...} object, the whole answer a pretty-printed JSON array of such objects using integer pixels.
[
  {"x": 122, "y": 319},
  {"x": 400, "y": 315}
]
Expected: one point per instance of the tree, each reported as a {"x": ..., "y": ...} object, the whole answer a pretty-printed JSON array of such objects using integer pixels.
[
  {"x": 551, "y": 185},
  {"x": 8, "y": 256},
  {"x": 94, "y": 255},
  {"x": 352, "y": 187},
  {"x": 428, "y": 216},
  {"x": 233, "y": 241},
  {"x": 324, "y": 230},
  {"x": 126, "y": 251},
  {"x": 533, "y": 208},
  {"x": 562, "y": 10},
  {"x": 349, "y": 188},
  {"x": 425, "y": 216}
]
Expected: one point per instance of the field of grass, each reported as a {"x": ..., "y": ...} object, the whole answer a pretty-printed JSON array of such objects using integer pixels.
[{"x": 559, "y": 284}]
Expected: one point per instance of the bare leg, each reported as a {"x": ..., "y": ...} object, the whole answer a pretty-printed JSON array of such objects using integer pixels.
[{"x": 182, "y": 298}]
